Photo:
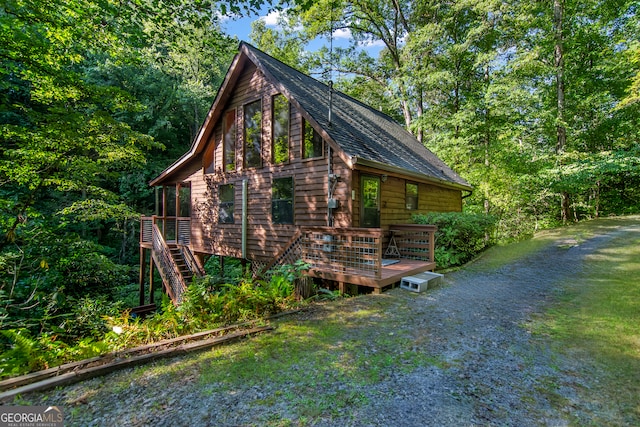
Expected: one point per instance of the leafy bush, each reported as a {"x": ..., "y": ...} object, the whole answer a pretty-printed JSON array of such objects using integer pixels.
[
  {"x": 96, "y": 326},
  {"x": 460, "y": 236},
  {"x": 23, "y": 354},
  {"x": 207, "y": 304},
  {"x": 88, "y": 319}
]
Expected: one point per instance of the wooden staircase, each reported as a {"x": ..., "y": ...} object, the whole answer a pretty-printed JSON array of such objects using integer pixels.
[
  {"x": 181, "y": 263},
  {"x": 176, "y": 265}
]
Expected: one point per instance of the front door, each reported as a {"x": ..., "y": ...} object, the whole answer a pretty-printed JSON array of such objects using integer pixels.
[{"x": 370, "y": 196}]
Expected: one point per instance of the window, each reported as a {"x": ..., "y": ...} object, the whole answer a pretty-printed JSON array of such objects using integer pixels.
[
  {"x": 282, "y": 200},
  {"x": 312, "y": 144},
  {"x": 226, "y": 201},
  {"x": 411, "y": 196},
  {"x": 280, "y": 114},
  {"x": 170, "y": 200},
  {"x": 253, "y": 135},
  {"x": 229, "y": 141},
  {"x": 208, "y": 161},
  {"x": 184, "y": 200}
]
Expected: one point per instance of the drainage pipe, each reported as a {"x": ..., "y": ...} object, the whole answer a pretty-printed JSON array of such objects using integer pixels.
[{"x": 245, "y": 196}]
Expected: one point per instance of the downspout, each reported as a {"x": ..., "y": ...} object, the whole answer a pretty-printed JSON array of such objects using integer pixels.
[
  {"x": 245, "y": 196},
  {"x": 467, "y": 195},
  {"x": 329, "y": 192}
]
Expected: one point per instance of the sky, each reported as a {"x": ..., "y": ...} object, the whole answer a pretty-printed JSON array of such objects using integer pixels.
[{"x": 241, "y": 28}]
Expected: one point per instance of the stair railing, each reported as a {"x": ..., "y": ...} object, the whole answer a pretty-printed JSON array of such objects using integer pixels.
[
  {"x": 192, "y": 262},
  {"x": 289, "y": 254},
  {"x": 171, "y": 276}
]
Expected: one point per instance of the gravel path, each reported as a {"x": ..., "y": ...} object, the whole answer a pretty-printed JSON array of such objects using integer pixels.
[{"x": 488, "y": 369}]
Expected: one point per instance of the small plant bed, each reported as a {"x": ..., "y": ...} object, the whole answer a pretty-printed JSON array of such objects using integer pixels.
[
  {"x": 210, "y": 302},
  {"x": 77, "y": 371}
]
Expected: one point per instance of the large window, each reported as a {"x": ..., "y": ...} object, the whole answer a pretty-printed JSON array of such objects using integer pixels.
[
  {"x": 226, "y": 201},
  {"x": 411, "y": 196},
  {"x": 280, "y": 114},
  {"x": 184, "y": 200},
  {"x": 209, "y": 162},
  {"x": 253, "y": 135},
  {"x": 282, "y": 200},
  {"x": 312, "y": 144},
  {"x": 229, "y": 141}
]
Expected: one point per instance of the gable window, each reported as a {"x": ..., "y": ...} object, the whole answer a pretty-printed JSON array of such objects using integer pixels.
[
  {"x": 411, "y": 196},
  {"x": 282, "y": 200},
  {"x": 312, "y": 144},
  {"x": 209, "y": 161},
  {"x": 280, "y": 114},
  {"x": 226, "y": 202},
  {"x": 253, "y": 135},
  {"x": 229, "y": 141}
]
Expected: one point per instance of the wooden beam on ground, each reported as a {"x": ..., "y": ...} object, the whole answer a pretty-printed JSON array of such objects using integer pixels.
[{"x": 73, "y": 376}]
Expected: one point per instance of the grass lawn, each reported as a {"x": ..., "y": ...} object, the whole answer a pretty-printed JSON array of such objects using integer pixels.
[{"x": 596, "y": 322}]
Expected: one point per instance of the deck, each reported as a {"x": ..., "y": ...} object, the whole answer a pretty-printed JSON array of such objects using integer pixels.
[
  {"x": 389, "y": 275},
  {"x": 347, "y": 256},
  {"x": 356, "y": 256}
]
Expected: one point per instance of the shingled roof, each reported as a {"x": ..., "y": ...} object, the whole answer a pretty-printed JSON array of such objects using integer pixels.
[{"x": 364, "y": 135}]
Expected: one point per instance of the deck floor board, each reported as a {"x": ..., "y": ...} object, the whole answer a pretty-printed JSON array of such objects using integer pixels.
[{"x": 389, "y": 275}]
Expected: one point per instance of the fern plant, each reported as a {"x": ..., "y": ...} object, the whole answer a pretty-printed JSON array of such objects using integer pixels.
[{"x": 24, "y": 354}]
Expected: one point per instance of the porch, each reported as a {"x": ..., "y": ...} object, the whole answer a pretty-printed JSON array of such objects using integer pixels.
[
  {"x": 369, "y": 257},
  {"x": 373, "y": 258}
]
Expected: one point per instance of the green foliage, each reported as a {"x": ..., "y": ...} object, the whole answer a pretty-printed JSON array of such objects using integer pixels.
[
  {"x": 478, "y": 82},
  {"x": 23, "y": 355},
  {"x": 207, "y": 304},
  {"x": 460, "y": 236},
  {"x": 88, "y": 319}
]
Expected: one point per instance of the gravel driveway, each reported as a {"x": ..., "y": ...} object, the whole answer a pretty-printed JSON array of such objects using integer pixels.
[{"x": 487, "y": 368}]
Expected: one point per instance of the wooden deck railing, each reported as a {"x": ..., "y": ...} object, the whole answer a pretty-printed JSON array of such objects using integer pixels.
[
  {"x": 415, "y": 241},
  {"x": 355, "y": 251},
  {"x": 169, "y": 271},
  {"x": 173, "y": 229},
  {"x": 343, "y": 250}
]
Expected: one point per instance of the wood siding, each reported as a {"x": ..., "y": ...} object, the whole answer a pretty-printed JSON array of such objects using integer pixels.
[
  {"x": 431, "y": 198},
  {"x": 264, "y": 239},
  {"x": 310, "y": 177}
]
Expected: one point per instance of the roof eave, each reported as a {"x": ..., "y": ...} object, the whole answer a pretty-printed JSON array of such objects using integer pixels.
[
  {"x": 197, "y": 143},
  {"x": 359, "y": 161}
]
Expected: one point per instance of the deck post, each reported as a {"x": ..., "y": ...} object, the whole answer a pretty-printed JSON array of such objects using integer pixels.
[
  {"x": 432, "y": 245},
  {"x": 143, "y": 263},
  {"x": 151, "y": 287},
  {"x": 342, "y": 287}
]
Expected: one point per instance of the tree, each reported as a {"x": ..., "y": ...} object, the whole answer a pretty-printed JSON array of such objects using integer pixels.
[
  {"x": 78, "y": 116},
  {"x": 367, "y": 22}
]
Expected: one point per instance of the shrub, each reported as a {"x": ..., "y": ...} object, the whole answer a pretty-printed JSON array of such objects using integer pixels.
[
  {"x": 88, "y": 318},
  {"x": 460, "y": 236}
]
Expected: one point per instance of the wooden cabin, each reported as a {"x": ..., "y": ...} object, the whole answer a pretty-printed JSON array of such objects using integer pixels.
[{"x": 286, "y": 168}]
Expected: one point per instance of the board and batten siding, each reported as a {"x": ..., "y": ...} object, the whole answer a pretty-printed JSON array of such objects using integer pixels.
[{"x": 310, "y": 176}]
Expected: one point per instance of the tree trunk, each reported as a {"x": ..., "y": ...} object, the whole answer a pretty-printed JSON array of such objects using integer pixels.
[
  {"x": 558, "y": 18},
  {"x": 561, "y": 131},
  {"x": 565, "y": 205}
]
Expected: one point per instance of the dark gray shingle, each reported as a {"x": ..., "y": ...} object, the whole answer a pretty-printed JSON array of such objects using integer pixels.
[{"x": 358, "y": 129}]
